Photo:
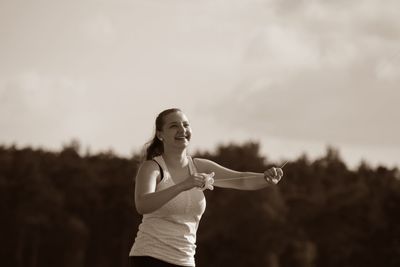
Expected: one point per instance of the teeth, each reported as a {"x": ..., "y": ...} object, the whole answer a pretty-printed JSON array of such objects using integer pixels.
[{"x": 181, "y": 137}]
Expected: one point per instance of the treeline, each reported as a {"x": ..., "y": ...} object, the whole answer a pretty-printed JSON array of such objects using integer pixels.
[{"x": 69, "y": 209}]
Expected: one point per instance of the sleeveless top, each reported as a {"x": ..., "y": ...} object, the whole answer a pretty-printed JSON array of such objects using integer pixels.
[{"x": 169, "y": 233}]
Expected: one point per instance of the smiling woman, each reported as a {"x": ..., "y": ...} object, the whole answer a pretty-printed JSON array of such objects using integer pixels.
[{"x": 169, "y": 193}]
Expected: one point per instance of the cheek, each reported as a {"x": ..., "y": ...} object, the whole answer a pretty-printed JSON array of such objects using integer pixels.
[{"x": 170, "y": 133}]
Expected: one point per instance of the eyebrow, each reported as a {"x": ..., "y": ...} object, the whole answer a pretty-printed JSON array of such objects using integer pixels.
[{"x": 173, "y": 122}]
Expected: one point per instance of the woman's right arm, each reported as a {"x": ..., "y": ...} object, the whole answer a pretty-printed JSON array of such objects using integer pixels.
[{"x": 147, "y": 199}]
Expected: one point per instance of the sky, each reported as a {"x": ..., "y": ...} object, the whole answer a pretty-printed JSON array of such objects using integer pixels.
[{"x": 295, "y": 76}]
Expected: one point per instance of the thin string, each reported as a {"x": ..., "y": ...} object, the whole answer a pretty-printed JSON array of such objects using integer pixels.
[{"x": 284, "y": 164}]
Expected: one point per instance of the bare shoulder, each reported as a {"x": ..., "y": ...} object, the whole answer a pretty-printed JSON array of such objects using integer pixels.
[{"x": 148, "y": 167}]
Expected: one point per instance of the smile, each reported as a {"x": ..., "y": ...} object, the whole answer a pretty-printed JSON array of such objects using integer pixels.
[{"x": 181, "y": 138}]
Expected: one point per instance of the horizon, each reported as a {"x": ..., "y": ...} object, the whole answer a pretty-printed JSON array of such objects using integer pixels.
[{"x": 85, "y": 150}]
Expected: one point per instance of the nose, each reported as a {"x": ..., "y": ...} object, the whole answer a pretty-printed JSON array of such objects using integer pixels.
[{"x": 181, "y": 128}]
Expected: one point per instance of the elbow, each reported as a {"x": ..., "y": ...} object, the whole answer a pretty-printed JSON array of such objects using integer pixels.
[{"x": 141, "y": 208}]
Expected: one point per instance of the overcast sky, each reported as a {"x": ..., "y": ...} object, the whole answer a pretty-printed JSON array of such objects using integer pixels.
[{"x": 295, "y": 76}]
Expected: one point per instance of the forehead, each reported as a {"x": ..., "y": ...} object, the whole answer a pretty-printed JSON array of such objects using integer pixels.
[{"x": 175, "y": 117}]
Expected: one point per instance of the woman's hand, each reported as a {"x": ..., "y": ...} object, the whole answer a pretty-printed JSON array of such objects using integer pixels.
[
  {"x": 273, "y": 175},
  {"x": 208, "y": 182},
  {"x": 200, "y": 180}
]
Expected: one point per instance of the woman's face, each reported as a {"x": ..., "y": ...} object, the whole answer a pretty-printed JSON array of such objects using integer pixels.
[{"x": 176, "y": 130}]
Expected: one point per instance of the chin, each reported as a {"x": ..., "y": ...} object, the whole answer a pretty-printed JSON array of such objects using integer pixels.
[{"x": 183, "y": 145}]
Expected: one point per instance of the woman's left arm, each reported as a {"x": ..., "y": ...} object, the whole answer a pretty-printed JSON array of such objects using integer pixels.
[{"x": 227, "y": 178}]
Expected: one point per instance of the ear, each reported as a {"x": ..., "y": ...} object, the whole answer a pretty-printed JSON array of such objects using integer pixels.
[{"x": 159, "y": 136}]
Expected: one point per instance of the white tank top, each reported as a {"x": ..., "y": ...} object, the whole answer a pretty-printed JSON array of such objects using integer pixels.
[{"x": 169, "y": 233}]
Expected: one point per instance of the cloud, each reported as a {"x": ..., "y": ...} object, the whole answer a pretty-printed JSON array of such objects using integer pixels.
[
  {"x": 320, "y": 105},
  {"x": 320, "y": 71},
  {"x": 277, "y": 48},
  {"x": 388, "y": 68}
]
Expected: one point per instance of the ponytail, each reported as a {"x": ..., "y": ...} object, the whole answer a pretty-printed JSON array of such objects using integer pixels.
[{"x": 155, "y": 147}]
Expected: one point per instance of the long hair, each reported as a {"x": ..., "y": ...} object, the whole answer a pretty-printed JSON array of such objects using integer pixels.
[{"x": 155, "y": 147}]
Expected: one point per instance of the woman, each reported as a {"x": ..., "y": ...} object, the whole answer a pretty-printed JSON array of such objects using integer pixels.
[{"x": 168, "y": 193}]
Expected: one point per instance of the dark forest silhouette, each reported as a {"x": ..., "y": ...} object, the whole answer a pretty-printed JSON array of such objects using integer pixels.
[{"x": 69, "y": 209}]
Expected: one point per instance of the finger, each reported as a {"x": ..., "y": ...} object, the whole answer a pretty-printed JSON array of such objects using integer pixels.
[
  {"x": 199, "y": 180},
  {"x": 208, "y": 175},
  {"x": 279, "y": 171},
  {"x": 208, "y": 184},
  {"x": 198, "y": 175},
  {"x": 202, "y": 179},
  {"x": 275, "y": 173},
  {"x": 271, "y": 172}
]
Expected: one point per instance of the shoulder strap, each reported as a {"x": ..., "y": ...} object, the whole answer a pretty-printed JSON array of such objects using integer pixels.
[
  {"x": 192, "y": 166},
  {"x": 161, "y": 170}
]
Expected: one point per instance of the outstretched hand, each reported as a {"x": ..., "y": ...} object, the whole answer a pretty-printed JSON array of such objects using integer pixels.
[{"x": 273, "y": 175}]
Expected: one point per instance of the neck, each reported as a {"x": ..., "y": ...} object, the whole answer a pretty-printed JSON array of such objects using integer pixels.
[{"x": 176, "y": 158}]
